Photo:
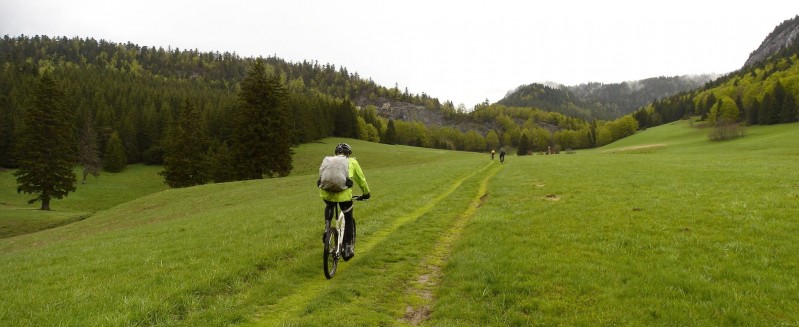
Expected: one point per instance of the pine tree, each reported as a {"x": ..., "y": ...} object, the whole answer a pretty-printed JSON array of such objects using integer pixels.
[
  {"x": 262, "y": 136},
  {"x": 88, "y": 155},
  {"x": 391, "y": 133},
  {"x": 524, "y": 145},
  {"x": 345, "y": 122},
  {"x": 220, "y": 163},
  {"x": 45, "y": 148},
  {"x": 186, "y": 145},
  {"x": 114, "y": 159},
  {"x": 788, "y": 109}
]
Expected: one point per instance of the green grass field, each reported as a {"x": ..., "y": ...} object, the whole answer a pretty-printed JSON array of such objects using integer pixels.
[{"x": 661, "y": 228}]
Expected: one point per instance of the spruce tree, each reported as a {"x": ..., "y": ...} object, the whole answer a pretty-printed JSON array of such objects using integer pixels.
[
  {"x": 46, "y": 146},
  {"x": 220, "y": 163},
  {"x": 88, "y": 155},
  {"x": 114, "y": 159},
  {"x": 262, "y": 135},
  {"x": 186, "y": 145},
  {"x": 788, "y": 109},
  {"x": 391, "y": 133},
  {"x": 524, "y": 145}
]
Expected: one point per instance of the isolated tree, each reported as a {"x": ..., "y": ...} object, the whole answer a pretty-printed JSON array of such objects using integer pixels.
[
  {"x": 186, "y": 145},
  {"x": 88, "y": 155},
  {"x": 115, "y": 158},
  {"x": 391, "y": 133},
  {"x": 524, "y": 144},
  {"x": 262, "y": 135},
  {"x": 46, "y": 146}
]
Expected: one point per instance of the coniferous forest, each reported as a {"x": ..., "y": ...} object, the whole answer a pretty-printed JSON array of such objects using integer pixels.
[
  {"x": 133, "y": 95},
  {"x": 139, "y": 104}
]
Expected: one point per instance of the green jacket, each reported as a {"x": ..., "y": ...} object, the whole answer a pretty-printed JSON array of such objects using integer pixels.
[{"x": 356, "y": 175}]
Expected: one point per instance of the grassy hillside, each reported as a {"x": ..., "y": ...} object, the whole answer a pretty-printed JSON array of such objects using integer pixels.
[
  {"x": 692, "y": 233},
  {"x": 99, "y": 193},
  {"x": 688, "y": 232}
]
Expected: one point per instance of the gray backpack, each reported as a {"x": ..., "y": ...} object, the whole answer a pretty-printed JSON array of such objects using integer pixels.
[{"x": 334, "y": 174}]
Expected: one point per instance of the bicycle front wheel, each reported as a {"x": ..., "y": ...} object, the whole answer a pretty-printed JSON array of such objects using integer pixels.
[{"x": 330, "y": 256}]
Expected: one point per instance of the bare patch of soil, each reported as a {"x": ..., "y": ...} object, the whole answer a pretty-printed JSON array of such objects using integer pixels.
[
  {"x": 415, "y": 316},
  {"x": 552, "y": 197}
]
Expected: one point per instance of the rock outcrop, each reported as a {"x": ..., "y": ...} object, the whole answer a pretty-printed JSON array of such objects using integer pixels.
[{"x": 783, "y": 36}]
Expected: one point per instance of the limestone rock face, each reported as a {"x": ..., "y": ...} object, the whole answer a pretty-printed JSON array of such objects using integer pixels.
[{"x": 783, "y": 35}]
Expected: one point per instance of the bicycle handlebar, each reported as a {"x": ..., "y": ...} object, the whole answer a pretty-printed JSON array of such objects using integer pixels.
[{"x": 357, "y": 198}]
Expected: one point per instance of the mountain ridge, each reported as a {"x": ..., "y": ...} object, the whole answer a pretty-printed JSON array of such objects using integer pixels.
[{"x": 783, "y": 36}]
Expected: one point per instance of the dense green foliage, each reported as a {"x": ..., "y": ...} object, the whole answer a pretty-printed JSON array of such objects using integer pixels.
[
  {"x": 261, "y": 141},
  {"x": 185, "y": 159},
  {"x": 46, "y": 146},
  {"x": 137, "y": 91},
  {"x": 115, "y": 158},
  {"x": 88, "y": 154}
]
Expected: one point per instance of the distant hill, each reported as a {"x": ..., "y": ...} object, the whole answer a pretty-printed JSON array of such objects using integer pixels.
[{"x": 598, "y": 100}]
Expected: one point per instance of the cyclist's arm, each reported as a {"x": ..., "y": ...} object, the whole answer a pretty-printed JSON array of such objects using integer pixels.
[{"x": 358, "y": 176}]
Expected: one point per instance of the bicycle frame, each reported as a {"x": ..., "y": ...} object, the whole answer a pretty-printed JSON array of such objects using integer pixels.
[
  {"x": 336, "y": 226},
  {"x": 340, "y": 223}
]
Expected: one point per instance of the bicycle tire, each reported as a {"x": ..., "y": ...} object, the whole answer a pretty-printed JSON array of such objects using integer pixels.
[{"x": 330, "y": 256}]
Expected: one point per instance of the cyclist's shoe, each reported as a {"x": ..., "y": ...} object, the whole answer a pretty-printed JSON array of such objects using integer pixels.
[{"x": 349, "y": 252}]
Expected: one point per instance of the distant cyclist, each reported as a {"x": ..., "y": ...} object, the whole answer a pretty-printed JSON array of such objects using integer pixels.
[
  {"x": 344, "y": 198},
  {"x": 501, "y": 155}
]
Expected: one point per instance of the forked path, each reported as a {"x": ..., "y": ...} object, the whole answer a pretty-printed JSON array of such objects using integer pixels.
[
  {"x": 293, "y": 305},
  {"x": 419, "y": 299}
]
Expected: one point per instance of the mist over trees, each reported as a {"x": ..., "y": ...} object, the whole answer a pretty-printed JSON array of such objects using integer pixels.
[{"x": 600, "y": 100}]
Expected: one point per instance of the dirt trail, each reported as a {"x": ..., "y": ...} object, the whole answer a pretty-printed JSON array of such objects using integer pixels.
[
  {"x": 291, "y": 305},
  {"x": 420, "y": 300}
]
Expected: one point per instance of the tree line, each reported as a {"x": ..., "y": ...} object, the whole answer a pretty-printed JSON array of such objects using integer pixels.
[
  {"x": 762, "y": 94},
  {"x": 210, "y": 117},
  {"x": 599, "y": 100}
]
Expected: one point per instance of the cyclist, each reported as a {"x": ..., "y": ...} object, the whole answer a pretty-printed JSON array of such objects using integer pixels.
[{"x": 344, "y": 199}]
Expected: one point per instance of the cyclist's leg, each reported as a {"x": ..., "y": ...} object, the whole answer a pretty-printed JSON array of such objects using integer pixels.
[
  {"x": 330, "y": 208},
  {"x": 346, "y": 208}
]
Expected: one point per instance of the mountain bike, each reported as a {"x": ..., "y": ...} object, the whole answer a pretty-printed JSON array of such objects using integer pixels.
[{"x": 333, "y": 238}]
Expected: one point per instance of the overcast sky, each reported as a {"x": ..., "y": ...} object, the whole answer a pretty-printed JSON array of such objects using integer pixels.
[{"x": 464, "y": 51}]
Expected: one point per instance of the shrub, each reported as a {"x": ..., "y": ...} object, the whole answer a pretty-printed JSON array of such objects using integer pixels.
[{"x": 726, "y": 131}]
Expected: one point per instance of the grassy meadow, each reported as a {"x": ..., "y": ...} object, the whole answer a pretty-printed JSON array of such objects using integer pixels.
[{"x": 661, "y": 228}]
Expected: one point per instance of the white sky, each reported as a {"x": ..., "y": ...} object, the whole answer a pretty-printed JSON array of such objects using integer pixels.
[{"x": 465, "y": 51}]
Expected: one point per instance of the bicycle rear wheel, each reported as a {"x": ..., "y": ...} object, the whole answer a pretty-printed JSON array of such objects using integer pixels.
[{"x": 330, "y": 256}]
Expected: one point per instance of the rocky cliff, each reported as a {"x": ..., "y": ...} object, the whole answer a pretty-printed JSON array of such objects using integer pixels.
[{"x": 783, "y": 36}]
